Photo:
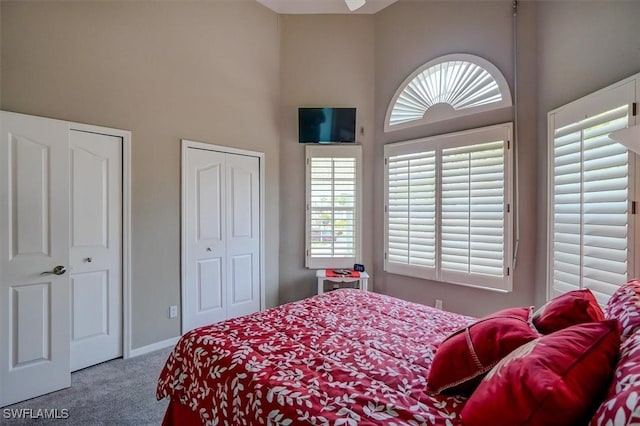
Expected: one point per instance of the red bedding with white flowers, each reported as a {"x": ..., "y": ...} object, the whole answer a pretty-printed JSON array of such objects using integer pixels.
[{"x": 346, "y": 357}]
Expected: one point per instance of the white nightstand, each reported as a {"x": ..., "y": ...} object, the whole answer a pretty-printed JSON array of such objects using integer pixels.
[{"x": 321, "y": 275}]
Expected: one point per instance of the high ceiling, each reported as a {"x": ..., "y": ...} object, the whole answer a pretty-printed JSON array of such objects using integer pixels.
[{"x": 322, "y": 6}]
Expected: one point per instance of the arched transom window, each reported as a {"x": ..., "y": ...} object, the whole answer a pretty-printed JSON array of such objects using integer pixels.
[{"x": 447, "y": 87}]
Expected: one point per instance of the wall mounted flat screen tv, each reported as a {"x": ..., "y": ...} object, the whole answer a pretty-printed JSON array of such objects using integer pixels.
[{"x": 326, "y": 125}]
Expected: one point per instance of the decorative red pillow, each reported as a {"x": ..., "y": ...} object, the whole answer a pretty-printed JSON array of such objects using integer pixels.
[
  {"x": 557, "y": 379},
  {"x": 621, "y": 407},
  {"x": 571, "y": 308},
  {"x": 464, "y": 357},
  {"x": 624, "y": 305}
]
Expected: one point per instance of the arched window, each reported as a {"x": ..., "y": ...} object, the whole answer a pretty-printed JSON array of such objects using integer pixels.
[{"x": 447, "y": 87}]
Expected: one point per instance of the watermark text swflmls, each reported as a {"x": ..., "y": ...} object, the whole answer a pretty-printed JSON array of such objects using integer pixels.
[{"x": 35, "y": 413}]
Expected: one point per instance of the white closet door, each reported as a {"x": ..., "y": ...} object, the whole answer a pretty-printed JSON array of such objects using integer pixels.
[
  {"x": 243, "y": 235},
  {"x": 205, "y": 291},
  {"x": 96, "y": 229},
  {"x": 34, "y": 236},
  {"x": 221, "y": 236}
]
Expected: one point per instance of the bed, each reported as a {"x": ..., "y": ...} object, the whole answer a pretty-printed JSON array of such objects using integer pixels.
[
  {"x": 351, "y": 357},
  {"x": 345, "y": 357}
]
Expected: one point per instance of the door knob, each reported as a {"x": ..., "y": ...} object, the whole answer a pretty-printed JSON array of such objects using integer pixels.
[{"x": 58, "y": 270}]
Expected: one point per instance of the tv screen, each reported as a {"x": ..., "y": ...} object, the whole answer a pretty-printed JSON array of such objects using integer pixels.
[{"x": 326, "y": 125}]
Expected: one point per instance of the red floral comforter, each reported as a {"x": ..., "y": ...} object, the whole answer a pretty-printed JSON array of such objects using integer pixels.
[{"x": 347, "y": 357}]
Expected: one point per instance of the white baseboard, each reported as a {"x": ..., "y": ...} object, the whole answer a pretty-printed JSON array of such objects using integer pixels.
[{"x": 154, "y": 347}]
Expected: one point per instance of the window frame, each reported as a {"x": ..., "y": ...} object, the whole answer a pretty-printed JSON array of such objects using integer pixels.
[
  {"x": 333, "y": 151},
  {"x": 580, "y": 109},
  {"x": 435, "y": 113},
  {"x": 500, "y": 132}
]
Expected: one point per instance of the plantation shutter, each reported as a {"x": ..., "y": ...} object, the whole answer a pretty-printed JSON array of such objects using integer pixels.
[
  {"x": 590, "y": 227},
  {"x": 412, "y": 211},
  {"x": 446, "y": 212},
  {"x": 473, "y": 209},
  {"x": 332, "y": 206}
]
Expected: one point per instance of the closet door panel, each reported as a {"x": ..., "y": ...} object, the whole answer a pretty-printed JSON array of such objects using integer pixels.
[{"x": 243, "y": 237}]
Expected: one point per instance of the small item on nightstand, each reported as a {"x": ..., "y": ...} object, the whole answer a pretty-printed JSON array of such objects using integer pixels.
[
  {"x": 323, "y": 275},
  {"x": 341, "y": 273},
  {"x": 358, "y": 267}
]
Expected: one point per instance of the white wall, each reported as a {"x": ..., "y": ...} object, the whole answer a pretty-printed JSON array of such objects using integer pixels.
[
  {"x": 233, "y": 73},
  {"x": 582, "y": 47},
  {"x": 205, "y": 71},
  {"x": 326, "y": 60},
  {"x": 409, "y": 34}
]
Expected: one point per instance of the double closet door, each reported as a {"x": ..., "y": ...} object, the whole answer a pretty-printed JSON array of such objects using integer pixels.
[
  {"x": 221, "y": 235},
  {"x": 60, "y": 252}
]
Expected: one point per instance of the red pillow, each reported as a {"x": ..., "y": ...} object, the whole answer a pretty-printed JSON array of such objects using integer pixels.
[
  {"x": 465, "y": 356},
  {"x": 624, "y": 306},
  {"x": 621, "y": 407},
  {"x": 571, "y": 308},
  {"x": 554, "y": 380}
]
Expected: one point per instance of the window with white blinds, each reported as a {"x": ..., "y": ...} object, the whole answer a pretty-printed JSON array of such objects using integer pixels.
[
  {"x": 411, "y": 209},
  {"x": 447, "y": 213},
  {"x": 591, "y": 188},
  {"x": 333, "y": 206},
  {"x": 473, "y": 208}
]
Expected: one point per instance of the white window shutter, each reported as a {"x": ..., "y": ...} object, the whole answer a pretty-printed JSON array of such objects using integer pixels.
[
  {"x": 567, "y": 181},
  {"x": 590, "y": 224},
  {"x": 411, "y": 210},
  {"x": 466, "y": 84},
  {"x": 446, "y": 213},
  {"x": 333, "y": 206},
  {"x": 473, "y": 214}
]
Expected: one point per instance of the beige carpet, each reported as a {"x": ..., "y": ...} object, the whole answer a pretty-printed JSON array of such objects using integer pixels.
[{"x": 118, "y": 392}]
